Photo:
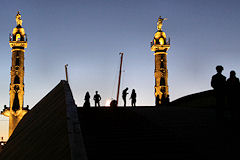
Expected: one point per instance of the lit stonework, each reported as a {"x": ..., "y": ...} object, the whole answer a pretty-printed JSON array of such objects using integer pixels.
[
  {"x": 18, "y": 43},
  {"x": 160, "y": 46}
]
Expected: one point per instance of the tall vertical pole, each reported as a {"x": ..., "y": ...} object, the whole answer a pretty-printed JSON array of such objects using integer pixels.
[
  {"x": 66, "y": 65},
  {"x": 119, "y": 78}
]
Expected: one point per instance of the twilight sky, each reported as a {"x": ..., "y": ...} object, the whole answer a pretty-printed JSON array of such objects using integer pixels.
[{"x": 89, "y": 34}]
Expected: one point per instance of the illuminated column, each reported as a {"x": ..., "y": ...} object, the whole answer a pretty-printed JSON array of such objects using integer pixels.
[
  {"x": 160, "y": 46},
  {"x": 18, "y": 43}
]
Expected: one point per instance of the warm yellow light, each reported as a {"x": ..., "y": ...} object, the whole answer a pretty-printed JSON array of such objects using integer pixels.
[
  {"x": 14, "y": 31},
  {"x": 157, "y": 35},
  {"x": 6, "y": 113},
  {"x": 18, "y": 37},
  {"x": 164, "y": 35},
  {"x": 161, "y": 41},
  {"x": 22, "y": 31}
]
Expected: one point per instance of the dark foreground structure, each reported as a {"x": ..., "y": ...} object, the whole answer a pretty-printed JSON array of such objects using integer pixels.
[
  {"x": 57, "y": 129},
  {"x": 50, "y": 130}
]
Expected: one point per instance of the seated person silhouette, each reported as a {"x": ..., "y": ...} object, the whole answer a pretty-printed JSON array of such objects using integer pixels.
[{"x": 113, "y": 104}]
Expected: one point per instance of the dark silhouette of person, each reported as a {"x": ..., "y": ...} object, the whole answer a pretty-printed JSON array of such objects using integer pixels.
[
  {"x": 218, "y": 83},
  {"x": 232, "y": 86},
  {"x": 124, "y": 96},
  {"x": 157, "y": 103},
  {"x": 97, "y": 98},
  {"x": 133, "y": 97},
  {"x": 113, "y": 104},
  {"x": 87, "y": 100}
]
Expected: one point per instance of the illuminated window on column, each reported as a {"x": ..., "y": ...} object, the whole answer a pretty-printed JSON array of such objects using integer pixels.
[
  {"x": 161, "y": 41},
  {"x": 18, "y": 37}
]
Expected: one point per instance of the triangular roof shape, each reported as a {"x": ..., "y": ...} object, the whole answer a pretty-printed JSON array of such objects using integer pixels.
[{"x": 50, "y": 130}]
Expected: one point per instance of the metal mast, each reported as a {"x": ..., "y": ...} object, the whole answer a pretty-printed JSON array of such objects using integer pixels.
[{"x": 119, "y": 78}]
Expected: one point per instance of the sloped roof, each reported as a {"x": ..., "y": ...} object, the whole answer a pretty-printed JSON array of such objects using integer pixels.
[
  {"x": 204, "y": 99},
  {"x": 49, "y": 131}
]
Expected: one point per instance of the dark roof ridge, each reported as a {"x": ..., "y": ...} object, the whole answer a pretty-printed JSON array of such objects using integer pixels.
[
  {"x": 75, "y": 137},
  {"x": 49, "y": 131}
]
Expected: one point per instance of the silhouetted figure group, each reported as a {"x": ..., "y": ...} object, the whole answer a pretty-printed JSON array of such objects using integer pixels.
[
  {"x": 133, "y": 97},
  {"x": 227, "y": 98},
  {"x": 226, "y": 91},
  {"x": 97, "y": 98}
]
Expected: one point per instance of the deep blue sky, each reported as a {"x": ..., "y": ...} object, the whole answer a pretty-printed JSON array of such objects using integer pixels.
[{"x": 88, "y": 35}]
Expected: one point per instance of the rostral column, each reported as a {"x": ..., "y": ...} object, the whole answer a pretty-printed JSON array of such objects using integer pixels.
[
  {"x": 18, "y": 43},
  {"x": 160, "y": 46}
]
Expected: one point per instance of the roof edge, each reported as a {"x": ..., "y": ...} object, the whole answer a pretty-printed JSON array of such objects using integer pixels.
[{"x": 75, "y": 137}]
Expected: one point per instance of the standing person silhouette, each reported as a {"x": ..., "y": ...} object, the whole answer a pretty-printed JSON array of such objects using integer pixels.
[
  {"x": 232, "y": 89},
  {"x": 87, "y": 100},
  {"x": 133, "y": 97},
  {"x": 97, "y": 98},
  {"x": 218, "y": 83},
  {"x": 124, "y": 96}
]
